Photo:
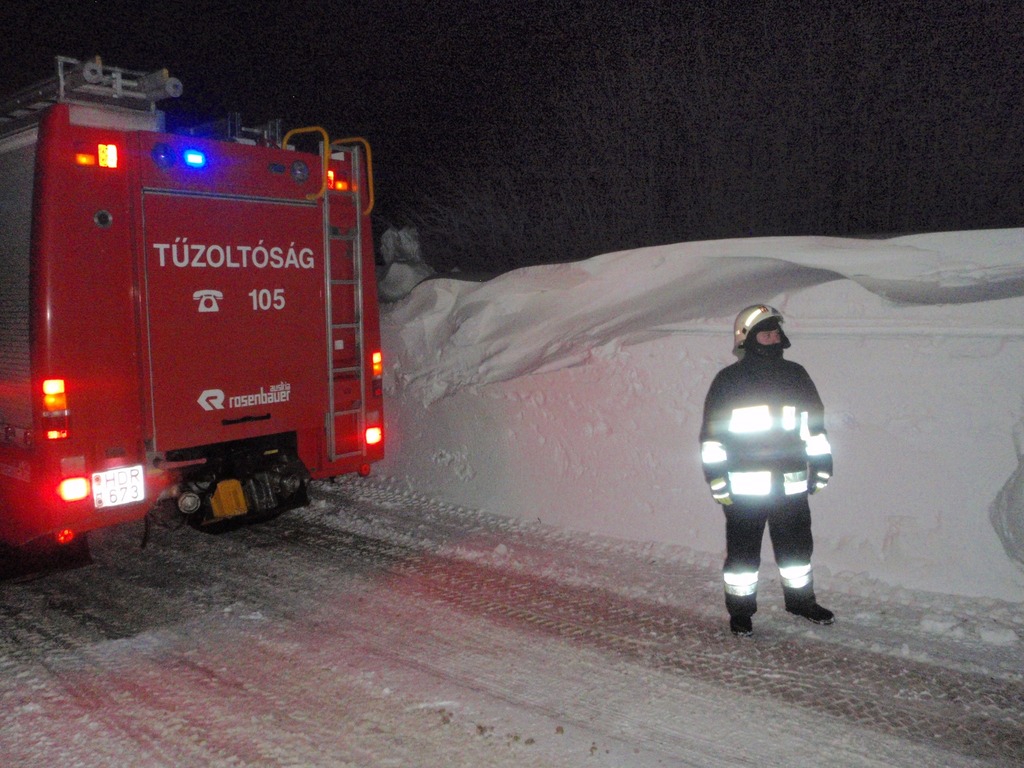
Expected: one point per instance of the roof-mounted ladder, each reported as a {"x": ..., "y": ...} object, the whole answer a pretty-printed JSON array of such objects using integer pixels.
[{"x": 91, "y": 83}]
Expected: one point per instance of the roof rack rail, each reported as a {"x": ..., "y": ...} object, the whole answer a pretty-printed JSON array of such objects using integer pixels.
[{"x": 88, "y": 82}]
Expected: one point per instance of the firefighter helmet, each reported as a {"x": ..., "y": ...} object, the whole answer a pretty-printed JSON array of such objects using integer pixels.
[{"x": 750, "y": 317}]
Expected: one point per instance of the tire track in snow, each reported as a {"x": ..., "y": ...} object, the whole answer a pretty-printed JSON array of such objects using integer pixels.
[
  {"x": 278, "y": 568},
  {"x": 954, "y": 710},
  {"x": 174, "y": 691},
  {"x": 957, "y": 711},
  {"x": 931, "y": 705}
]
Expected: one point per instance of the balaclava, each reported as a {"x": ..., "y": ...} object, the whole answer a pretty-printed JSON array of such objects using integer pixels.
[{"x": 770, "y": 350}]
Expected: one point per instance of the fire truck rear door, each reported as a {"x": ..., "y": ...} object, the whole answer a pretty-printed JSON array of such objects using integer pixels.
[{"x": 234, "y": 305}]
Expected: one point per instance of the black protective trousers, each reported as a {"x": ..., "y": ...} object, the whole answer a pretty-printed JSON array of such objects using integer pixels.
[{"x": 789, "y": 525}]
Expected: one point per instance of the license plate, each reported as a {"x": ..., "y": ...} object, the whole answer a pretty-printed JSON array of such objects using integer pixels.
[{"x": 123, "y": 485}]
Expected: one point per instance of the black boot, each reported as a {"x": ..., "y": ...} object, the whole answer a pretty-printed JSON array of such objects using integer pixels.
[
  {"x": 741, "y": 605},
  {"x": 814, "y": 612},
  {"x": 741, "y": 608},
  {"x": 741, "y": 626},
  {"x": 801, "y": 602}
]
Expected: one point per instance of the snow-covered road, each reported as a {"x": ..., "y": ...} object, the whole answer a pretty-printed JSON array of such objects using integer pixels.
[{"x": 380, "y": 628}]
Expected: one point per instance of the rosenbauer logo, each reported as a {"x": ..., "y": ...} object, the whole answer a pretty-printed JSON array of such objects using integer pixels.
[{"x": 215, "y": 399}]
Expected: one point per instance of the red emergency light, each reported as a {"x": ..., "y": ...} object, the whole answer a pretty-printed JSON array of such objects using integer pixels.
[
  {"x": 106, "y": 156},
  {"x": 374, "y": 435}
]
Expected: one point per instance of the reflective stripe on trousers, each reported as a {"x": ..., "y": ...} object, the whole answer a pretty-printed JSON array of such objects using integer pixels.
[
  {"x": 744, "y": 583},
  {"x": 740, "y": 583},
  {"x": 795, "y": 576}
]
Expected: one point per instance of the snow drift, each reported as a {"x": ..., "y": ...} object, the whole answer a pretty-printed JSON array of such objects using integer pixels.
[{"x": 573, "y": 393}]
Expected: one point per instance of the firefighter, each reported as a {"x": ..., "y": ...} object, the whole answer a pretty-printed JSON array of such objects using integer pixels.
[{"x": 764, "y": 450}]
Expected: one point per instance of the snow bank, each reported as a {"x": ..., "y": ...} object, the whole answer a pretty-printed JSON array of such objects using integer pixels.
[
  {"x": 404, "y": 267},
  {"x": 573, "y": 393}
]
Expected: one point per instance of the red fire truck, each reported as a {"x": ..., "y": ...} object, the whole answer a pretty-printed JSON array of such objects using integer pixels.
[{"x": 185, "y": 318}]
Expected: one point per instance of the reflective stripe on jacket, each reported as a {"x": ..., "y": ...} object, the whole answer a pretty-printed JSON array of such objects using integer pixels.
[{"x": 763, "y": 428}]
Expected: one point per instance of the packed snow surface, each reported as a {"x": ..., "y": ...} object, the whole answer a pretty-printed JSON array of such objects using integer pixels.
[
  {"x": 573, "y": 393},
  {"x": 382, "y": 628}
]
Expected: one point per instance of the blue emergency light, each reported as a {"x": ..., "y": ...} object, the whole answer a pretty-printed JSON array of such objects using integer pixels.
[{"x": 194, "y": 158}]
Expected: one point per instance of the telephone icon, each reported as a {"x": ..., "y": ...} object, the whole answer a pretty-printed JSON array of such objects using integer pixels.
[{"x": 208, "y": 299}]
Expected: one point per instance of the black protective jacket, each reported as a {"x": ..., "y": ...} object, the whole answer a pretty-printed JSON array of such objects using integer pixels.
[{"x": 788, "y": 392}]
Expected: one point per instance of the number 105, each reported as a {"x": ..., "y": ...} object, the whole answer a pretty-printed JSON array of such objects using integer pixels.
[{"x": 264, "y": 299}]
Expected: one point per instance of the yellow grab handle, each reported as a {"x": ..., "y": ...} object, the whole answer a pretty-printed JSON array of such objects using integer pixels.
[{"x": 326, "y": 149}]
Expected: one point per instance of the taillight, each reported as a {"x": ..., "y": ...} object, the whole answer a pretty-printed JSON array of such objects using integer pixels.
[
  {"x": 73, "y": 488},
  {"x": 374, "y": 435},
  {"x": 376, "y": 383},
  {"x": 342, "y": 185},
  {"x": 55, "y": 409}
]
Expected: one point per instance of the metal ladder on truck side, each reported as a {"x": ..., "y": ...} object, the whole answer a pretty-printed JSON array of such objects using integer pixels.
[{"x": 344, "y": 303}]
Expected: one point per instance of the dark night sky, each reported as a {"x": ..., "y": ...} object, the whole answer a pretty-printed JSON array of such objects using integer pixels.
[
  {"x": 395, "y": 68},
  {"x": 767, "y": 118}
]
